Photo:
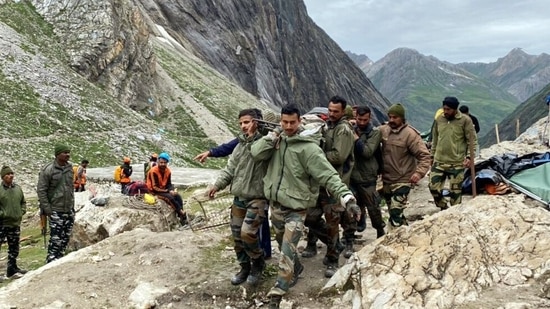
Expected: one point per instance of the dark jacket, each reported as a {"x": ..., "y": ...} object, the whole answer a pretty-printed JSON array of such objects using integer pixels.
[
  {"x": 475, "y": 121},
  {"x": 12, "y": 205},
  {"x": 55, "y": 188},
  {"x": 224, "y": 150},
  {"x": 365, "y": 170}
]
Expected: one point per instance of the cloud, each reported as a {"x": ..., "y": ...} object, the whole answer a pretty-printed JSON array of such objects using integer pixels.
[{"x": 451, "y": 30}]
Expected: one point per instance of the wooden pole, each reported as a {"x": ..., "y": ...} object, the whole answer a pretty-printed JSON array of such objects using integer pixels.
[
  {"x": 496, "y": 132},
  {"x": 517, "y": 127},
  {"x": 472, "y": 166}
]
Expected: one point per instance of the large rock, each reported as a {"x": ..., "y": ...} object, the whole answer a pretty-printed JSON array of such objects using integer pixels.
[
  {"x": 451, "y": 257},
  {"x": 120, "y": 214}
]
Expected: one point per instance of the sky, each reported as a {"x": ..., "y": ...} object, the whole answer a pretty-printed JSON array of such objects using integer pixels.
[{"x": 450, "y": 30}]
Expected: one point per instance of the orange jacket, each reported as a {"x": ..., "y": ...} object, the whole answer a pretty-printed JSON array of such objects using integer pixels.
[
  {"x": 159, "y": 181},
  {"x": 79, "y": 179}
]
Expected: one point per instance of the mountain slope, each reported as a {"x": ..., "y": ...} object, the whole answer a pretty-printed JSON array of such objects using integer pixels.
[
  {"x": 271, "y": 48},
  {"x": 519, "y": 73},
  {"x": 528, "y": 112},
  {"x": 44, "y": 101},
  {"x": 421, "y": 82}
]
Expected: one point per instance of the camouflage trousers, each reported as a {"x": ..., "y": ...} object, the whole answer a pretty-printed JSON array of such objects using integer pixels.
[
  {"x": 12, "y": 234},
  {"x": 61, "y": 226},
  {"x": 368, "y": 200},
  {"x": 396, "y": 195},
  {"x": 246, "y": 219},
  {"x": 438, "y": 174},
  {"x": 326, "y": 231},
  {"x": 289, "y": 228}
]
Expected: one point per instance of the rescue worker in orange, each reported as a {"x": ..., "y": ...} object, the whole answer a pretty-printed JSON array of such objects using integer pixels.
[
  {"x": 159, "y": 182},
  {"x": 125, "y": 174},
  {"x": 80, "y": 176}
]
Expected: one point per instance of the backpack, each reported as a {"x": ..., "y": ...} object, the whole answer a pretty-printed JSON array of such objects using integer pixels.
[
  {"x": 118, "y": 173},
  {"x": 75, "y": 173}
]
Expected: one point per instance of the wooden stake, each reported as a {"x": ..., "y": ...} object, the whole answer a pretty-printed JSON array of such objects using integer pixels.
[
  {"x": 496, "y": 132},
  {"x": 517, "y": 127},
  {"x": 472, "y": 166}
]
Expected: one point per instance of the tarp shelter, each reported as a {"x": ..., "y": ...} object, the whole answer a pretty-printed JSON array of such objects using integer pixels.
[{"x": 529, "y": 174}]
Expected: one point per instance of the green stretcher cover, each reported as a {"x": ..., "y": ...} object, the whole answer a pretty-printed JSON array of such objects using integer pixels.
[{"x": 535, "y": 180}]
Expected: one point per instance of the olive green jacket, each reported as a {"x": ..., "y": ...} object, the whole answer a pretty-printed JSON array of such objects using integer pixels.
[
  {"x": 297, "y": 168},
  {"x": 451, "y": 139},
  {"x": 12, "y": 205},
  {"x": 338, "y": 147},
  {"x": 55, "y": 188},
  {"x": 243, "y": 173}
]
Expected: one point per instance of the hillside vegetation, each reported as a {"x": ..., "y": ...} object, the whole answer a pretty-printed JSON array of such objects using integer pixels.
[{"x": 45, "y": 101}]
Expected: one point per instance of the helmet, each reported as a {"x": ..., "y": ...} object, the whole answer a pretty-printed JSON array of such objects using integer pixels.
[
  {"x": 164, "y": 156},
  {"x": 126, "y": 160}
]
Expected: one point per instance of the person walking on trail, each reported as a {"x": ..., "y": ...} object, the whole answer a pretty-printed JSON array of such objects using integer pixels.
[
  {"x": 452, "y": 135},
  {"x": 406, "y": 161},
  {"x": 338, "y": 149},
  {"x": 225, "y": 150},
  {"x": 249, "y": 204},
  {"x": 80, "y": 176},
  {"x": 297, "y": 168},
  {"x": 159, "y": 183},
  {"x": 55, "y": 193},
  {"x": 466, "y": 111},
  {"x": 12, "y": 208},
  {"x": 365, "y": 174}
]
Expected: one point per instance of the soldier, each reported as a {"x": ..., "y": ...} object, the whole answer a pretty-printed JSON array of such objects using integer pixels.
[
  {"x": 248, "y": 210},
  {"x": 297, "y": 167},
  {"x": 453, "y": 132},
  {"x": 338, "y": 148},
  {"x": 12, "y": 208},
  {"x": 56, "y": 197},
  {"x": 406, "y": 160},
  {"x": 363, "y": 177}
]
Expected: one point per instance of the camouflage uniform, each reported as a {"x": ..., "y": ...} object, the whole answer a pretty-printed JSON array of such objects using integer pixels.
[
  {"x": 56, "y": 197},
  {"x": 404, "y": 154},
  {"x": 296, "y": 167},
  {"x": 12, "y": 235},
  {"x": 451, "y": 139},
  {"x": 338, "y": 148},
  {"x": 249, "y": 207},
  {"x": 12, "y": 208},
  {"x": 289, "y": 228},
  {"x": 61, "y": 226},
  {"x": 246, "y": 219}
]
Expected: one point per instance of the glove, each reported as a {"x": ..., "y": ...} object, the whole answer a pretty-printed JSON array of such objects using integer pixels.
[{"x": 348, "y": 201}]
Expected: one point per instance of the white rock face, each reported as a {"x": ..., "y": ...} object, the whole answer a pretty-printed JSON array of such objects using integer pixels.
[{"x": 449, "y": 258}]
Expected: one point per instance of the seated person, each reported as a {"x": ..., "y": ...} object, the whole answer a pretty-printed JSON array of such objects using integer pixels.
[{"x": 159, "y": 183}]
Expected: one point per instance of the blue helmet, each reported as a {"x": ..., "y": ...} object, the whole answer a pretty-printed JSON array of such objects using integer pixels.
[{"x": 164, "y": 156}]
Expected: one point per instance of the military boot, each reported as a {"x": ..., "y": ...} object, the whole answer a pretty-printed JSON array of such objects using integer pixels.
[
  {"x": 380, "y": 232},
  {"x": 14, "y": 271},
  {"x": 310, "y": 250},
  {"x": 348, "y": 251},
  {"x": 258, "y": 266},
  {"x": 274, "y": 301},
  {"x": 332, "y": 267},
  {"x": 241, "y": 276}
]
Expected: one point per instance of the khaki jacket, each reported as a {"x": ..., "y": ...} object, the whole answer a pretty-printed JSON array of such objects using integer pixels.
[
  {"x": 338, "y": 147},
  {"x": 404, "y": 153},
  {"x": 451, "y": 139}
]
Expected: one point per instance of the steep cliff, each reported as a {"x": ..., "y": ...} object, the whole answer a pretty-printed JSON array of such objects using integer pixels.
[{"x": 271, "y": 48}]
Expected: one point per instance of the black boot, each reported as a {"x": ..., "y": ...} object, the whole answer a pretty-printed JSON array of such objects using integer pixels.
[
  {"x": 13, "y": 270},
  {"x": 380, "y": 232},
  {"x": 241, "y": 276},
  {"x": 258, "y": 266},
  {"x": 348, "y": 251},
  {"x": 310, "y": 250},
  {"x": 274, "y": 301}
]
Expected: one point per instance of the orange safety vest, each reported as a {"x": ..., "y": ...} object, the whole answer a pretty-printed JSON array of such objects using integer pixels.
[{"x": 82, "y": 180}]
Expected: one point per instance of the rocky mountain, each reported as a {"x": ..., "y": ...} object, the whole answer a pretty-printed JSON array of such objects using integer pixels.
[
  {"x": 421, "y": 82},
  {"x": 362, "y": 61},
  {"x": 531, "y": 110},
  {"x": 130, "y": 77},
  {"x": 272, "y": 49},
  {"x": 519, "y": 73}
]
